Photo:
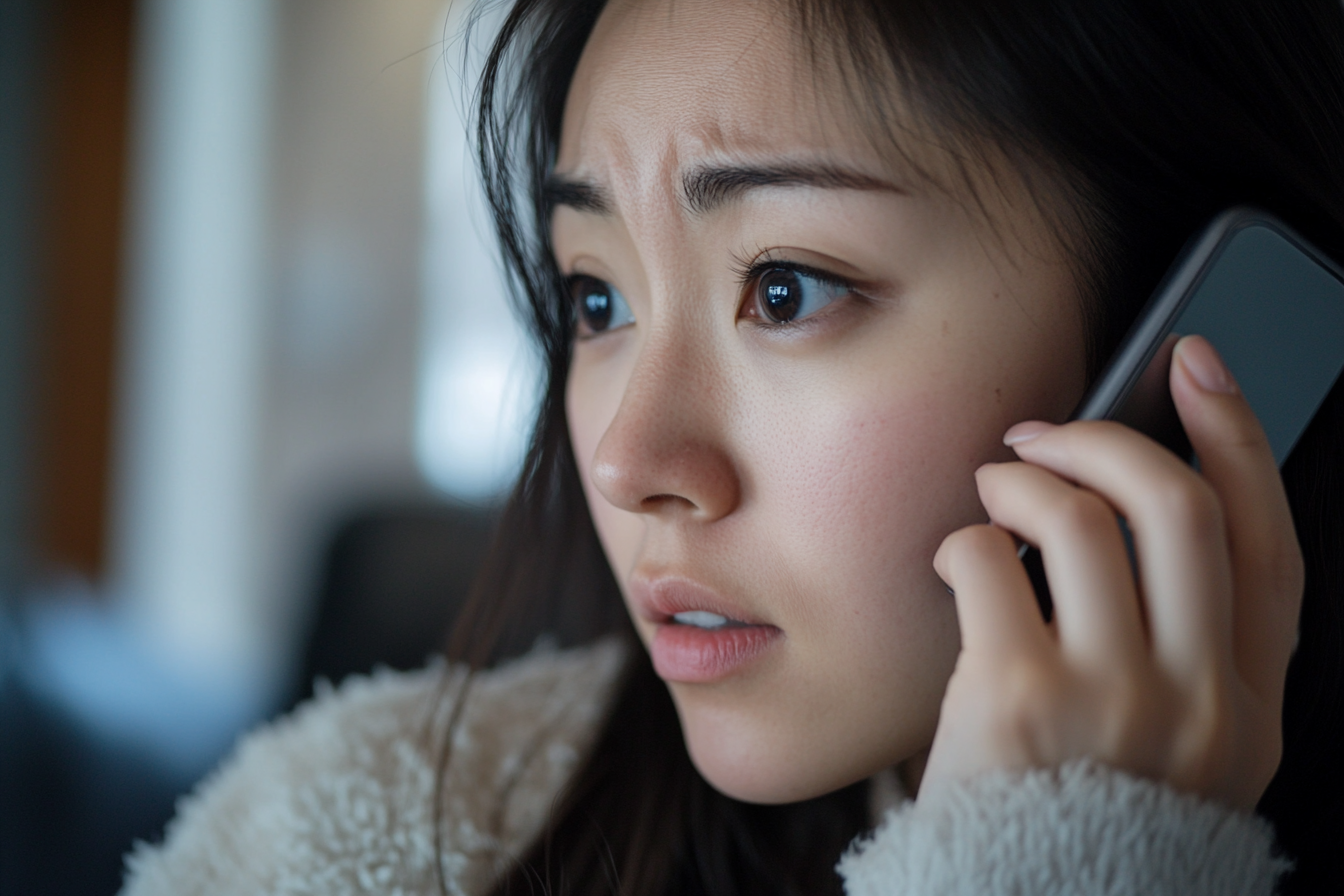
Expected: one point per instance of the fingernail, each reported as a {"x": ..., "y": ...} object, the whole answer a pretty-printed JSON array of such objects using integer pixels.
[
  {"x": 1025, "y": 432},
  {"x": 1201, "y": 359}
]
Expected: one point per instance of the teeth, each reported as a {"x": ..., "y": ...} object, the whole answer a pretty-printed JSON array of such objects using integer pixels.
[{"x": 701, "y": 619}]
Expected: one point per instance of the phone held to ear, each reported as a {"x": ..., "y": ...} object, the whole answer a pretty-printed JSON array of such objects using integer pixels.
[{"x": 1269, "y": 302}]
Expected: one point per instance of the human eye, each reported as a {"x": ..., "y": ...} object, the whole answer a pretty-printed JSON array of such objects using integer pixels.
[
  {"x": 786, "y": 293},
  {"x": 599, "y": 306}
]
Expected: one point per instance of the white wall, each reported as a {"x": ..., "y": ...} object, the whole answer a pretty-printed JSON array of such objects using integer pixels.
[
  {"x": 479, "y": 372},
  {"x": 183, "y": 534},
  {"x": 274, "y": 293},
  {"x": 348, "y": 206}
]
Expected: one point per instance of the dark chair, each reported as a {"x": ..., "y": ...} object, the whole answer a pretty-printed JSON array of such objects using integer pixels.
[{"x": 392, "y": 580}]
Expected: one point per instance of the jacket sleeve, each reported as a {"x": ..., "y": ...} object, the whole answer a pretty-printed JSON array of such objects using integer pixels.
[
  {"x": 1081, "y": 829},
  {"x": 339, "y": 798}
]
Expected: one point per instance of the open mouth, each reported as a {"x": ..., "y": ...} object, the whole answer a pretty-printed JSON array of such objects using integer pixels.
[
  {"x": 693, "y": 639},
  {"x": 706, "y": 620}
]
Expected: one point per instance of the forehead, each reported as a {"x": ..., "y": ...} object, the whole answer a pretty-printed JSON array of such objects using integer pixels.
[
  {"x": 666, "y": 87},
  {"x": 665, "y": 84}
]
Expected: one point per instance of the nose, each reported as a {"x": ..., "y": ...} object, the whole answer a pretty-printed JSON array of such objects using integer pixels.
[{"x": 665, "y": 452}]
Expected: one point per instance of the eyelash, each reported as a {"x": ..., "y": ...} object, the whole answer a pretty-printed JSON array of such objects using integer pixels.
[{"x": 749, "y": 272}]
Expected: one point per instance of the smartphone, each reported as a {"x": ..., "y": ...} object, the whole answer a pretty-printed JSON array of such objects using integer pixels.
[{"x": 1273, "y": 306}]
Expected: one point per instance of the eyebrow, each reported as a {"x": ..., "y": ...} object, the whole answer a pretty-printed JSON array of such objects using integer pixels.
[
  {"x": 579, "y": 195},
  {"x": 705, "y": 189}
]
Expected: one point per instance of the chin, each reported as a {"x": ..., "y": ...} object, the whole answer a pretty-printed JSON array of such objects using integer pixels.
[{"x": 757, "y": 761}]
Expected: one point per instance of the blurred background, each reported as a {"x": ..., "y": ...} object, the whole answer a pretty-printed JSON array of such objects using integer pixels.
[{"x": 260, "y": 390}]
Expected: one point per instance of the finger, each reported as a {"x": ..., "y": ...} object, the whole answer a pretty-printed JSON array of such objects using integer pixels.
[
  {"x": 1185, "y": 574},
  {"x": 1096, "y": 603},
  {"x": 996, "y": 606},
  {"x": 1236, "y": 459}
]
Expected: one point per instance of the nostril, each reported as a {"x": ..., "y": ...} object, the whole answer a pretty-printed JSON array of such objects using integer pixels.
[{"x": 653, "y": 501}]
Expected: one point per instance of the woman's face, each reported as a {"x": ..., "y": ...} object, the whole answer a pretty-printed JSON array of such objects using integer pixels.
[{"x": 793, "y": 354}]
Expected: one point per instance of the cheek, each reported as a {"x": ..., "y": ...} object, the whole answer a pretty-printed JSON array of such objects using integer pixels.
[
  {"x": 588, "y": 417},
  {"x": 866, "y": 473},
  {"x": 860, "y": 484},
  {"x": 878, "y": 485},
  {"x": 873, "y": 471},
  {"x": 592, "y": 398},
  {"x": 850, "y": 491},
  {"x": 855, "y": 474}
]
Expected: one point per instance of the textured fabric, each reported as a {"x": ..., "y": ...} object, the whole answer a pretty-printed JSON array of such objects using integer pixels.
[
  {"x": 337, "y": 799},
  {"x": 1082, "y": 829}
]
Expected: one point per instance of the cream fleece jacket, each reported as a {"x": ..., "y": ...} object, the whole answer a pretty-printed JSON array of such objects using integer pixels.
[{"x": 338, "y": 799}]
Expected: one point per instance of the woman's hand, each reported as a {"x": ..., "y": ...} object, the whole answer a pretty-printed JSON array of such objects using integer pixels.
[{"x": 1177, "y": 676}]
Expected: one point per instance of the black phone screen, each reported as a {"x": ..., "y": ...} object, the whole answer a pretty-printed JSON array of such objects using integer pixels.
[{"x": 1270, "y": 303}]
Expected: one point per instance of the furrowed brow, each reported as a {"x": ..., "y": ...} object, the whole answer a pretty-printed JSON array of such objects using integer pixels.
[
  {"x": 705, "y": 189},
  {"x": 579, "y": 195}
]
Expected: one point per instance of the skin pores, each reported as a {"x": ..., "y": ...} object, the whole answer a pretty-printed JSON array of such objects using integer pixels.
[{"x": 796, "y": 476}]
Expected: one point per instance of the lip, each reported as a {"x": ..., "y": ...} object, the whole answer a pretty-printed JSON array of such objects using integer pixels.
[
  {"x": 657, "y": 600},
  {"x": 690, "y": 655}
]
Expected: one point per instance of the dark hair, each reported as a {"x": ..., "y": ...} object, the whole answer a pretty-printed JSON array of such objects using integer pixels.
[{"x": 1159, "y": 115}]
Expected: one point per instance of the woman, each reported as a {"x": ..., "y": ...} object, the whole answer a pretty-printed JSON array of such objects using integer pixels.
[{"x": 816, "y": 282}]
